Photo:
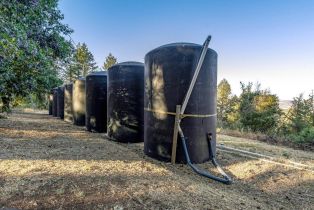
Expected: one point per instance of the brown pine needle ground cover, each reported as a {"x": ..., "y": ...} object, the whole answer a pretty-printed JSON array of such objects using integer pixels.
[{"x": 46, "y": 163}]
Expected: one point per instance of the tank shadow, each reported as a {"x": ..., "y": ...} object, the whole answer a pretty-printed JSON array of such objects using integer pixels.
[{"x": 55, "y": 163}]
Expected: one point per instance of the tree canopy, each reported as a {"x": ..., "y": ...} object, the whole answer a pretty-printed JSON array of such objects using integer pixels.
[
  {"x": 254, "y": 110},
  {"x": 259, "y": 109},
  {"x": 300, "y": 124},
  {"x": 81, "y": 63},
  {"x": 110, "y": 61},
  {"x": 32, "y": 46},
  {"x": 226, "y": 103}
]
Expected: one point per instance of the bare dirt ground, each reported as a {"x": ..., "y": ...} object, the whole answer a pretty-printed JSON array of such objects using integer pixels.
[{"x": 46, "y": 163}]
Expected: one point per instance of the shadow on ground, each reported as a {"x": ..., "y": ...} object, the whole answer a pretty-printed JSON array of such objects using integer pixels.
[{"x": 47, "y": 163}]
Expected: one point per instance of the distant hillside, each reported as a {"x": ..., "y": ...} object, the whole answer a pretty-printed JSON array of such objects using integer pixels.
[{"x": 285, "y": 104}]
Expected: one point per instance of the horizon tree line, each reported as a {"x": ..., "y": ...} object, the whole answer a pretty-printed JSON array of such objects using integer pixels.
[
  {"x": 256, "y": 110},
  {"x": 82, "y": 63}
]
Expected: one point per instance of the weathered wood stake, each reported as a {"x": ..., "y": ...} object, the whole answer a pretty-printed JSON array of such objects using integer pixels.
[{"x": 175, "y": 134}]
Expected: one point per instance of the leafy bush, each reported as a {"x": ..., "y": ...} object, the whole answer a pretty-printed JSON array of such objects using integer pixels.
[
  {"x": 31, "y": 101},
  {"x": 259, "y": 109},
  {"x": 308, "y": 134}
]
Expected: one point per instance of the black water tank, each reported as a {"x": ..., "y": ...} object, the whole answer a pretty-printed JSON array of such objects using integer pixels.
[
  {"x": 78, "y": 101},
  {"x": 60, "y": 103},
  {"x": 50, "y": 102},
  {"x": 68, "y": 112},
  {"x": 55, "y": 102},
  {"x": 96, "y": 101},
  {"x": 126, "y": 101},
  {"x": 168, "y": 73}
]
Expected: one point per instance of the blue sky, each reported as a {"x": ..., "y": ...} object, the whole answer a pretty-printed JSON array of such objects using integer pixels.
[{"x": 270, "y": 41}]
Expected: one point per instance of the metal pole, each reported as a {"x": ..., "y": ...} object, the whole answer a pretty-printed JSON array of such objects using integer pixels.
[
  {"x": 226, "y": 179},
  {"x": 197, "y": 70},
  {"x": 189, "y": 92}
]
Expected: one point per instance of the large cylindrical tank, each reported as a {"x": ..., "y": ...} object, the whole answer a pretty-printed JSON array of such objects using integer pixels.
[
  {"x": 50, "y": 102},
  {"x": 55, "y": 102},
  {"x": 168, "y": 73},
  {"x": 68, "y": 112},
  {"x": 126, "y": 101},
  {"x": 78, "y": 101},
  {"x": 60, "y": 103},
  {"x": 96, "y": 102}
]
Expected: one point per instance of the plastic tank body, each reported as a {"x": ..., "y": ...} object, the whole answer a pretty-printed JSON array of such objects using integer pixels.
[
  {"x": 55, "y": 102},
  {"x": 60, "y": 102},
  {"x": 126, "y": 101},
  {"x": 50, "y": 102},
  {"x": 96, "y": 102},
  {"x": 78, "y": 102},
  {"x": 168, "y": 72},
  {"x": 68, "y": 112}
]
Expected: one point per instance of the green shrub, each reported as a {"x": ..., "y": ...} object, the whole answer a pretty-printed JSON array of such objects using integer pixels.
[
  {"x": 305, "y": 136},
  {"x": 308, "y": 135}
]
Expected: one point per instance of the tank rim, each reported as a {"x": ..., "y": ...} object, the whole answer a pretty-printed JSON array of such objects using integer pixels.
[
  {"x": 67, "y": 84},
  {"x": 175, "y": 44},
  {"x": 127, "y": 63},
  {"x": 97, "y": 73},
  {"x": 79, "y": 79}
]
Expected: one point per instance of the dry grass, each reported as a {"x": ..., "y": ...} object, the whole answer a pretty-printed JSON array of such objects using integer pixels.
[
  {"x": 280, "y": 152},
  {"x": 49, "y": 164},
  {"x": 280, "y": 141}
]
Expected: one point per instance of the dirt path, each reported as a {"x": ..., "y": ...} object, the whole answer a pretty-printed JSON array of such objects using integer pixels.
[{"x": 46, "y": 163}]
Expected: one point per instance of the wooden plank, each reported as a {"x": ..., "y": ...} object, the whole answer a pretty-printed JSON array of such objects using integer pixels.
[{"x": 175, "y": 134}]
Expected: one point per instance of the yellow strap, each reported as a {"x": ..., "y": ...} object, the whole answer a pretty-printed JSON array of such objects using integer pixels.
[{"x": 182, "y": 115}]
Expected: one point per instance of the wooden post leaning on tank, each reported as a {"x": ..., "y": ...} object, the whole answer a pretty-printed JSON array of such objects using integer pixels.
[{"x": 175, "y": 134}]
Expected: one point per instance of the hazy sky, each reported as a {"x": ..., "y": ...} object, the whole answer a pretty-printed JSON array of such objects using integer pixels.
[{"x": 270, "y": 41}]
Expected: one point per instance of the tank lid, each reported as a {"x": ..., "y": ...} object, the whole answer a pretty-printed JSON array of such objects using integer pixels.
[
  {"x": 98, "y": 73},
  {"x": 179, "y": 44},
  {"x": 80, "y": 78},
  {"x": 128, "y": 63},
  {"x": 183, "y": 44},
  {"x": 67, "y": 84}
]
